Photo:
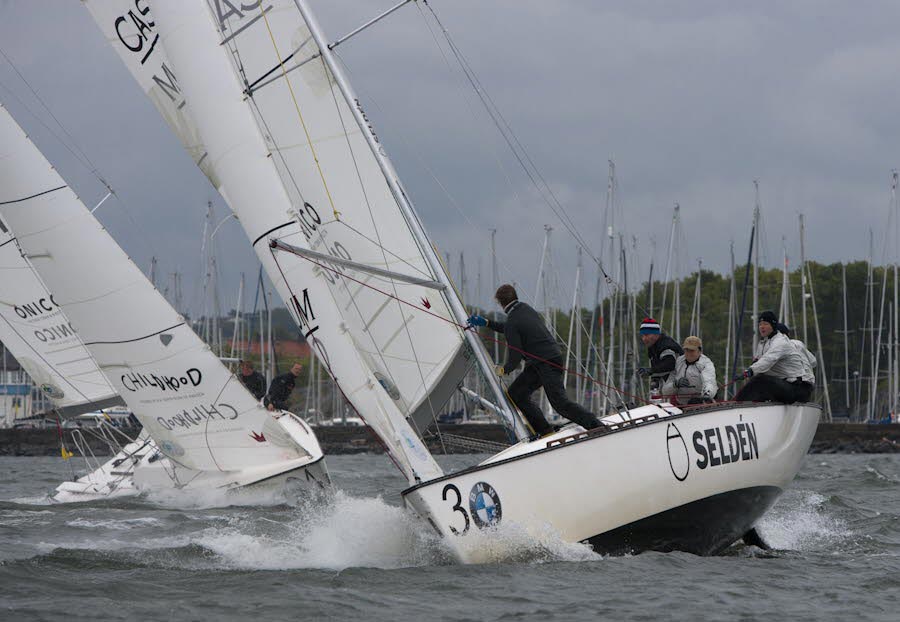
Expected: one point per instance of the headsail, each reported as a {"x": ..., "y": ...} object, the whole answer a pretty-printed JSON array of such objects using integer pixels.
[
  {"x": 251, "y": 185},
  {"x": 40, "y": 336},
  {"x": 197, "y": 411}
]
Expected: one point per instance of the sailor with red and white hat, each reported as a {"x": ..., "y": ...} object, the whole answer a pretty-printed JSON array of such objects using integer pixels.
[{"x": 662, "y": 350}]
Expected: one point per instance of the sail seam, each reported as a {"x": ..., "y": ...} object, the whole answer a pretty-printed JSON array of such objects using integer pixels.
[
  {"x": 33, "y": 196},
  {"x": 159, "y": 332}
]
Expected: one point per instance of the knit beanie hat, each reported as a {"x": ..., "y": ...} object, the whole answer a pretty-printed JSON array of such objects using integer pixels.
[
  {"x": 649, "y": 326},
  {"x": 769, "y": 316}
]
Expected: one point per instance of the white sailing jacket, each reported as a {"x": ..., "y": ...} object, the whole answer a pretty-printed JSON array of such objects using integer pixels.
[
  {"x": 701, "y": 375},
  {"x": 777, "y": 356}
]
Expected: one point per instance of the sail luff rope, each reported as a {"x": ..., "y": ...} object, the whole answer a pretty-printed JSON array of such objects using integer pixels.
[{"x": 309, "y": 141}]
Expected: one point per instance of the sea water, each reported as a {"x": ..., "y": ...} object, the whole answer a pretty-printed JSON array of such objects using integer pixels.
[{"x": 357, "y": 555}]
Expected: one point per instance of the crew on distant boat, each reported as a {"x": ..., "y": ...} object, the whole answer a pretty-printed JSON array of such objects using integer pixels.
[
  {"x": 779, "y": 372},
  {"x": 694, "y": 378},
  {"x": 252, "y": 379},
  {"x": 528, "y": 338},
  {"x": 281, "y": 388},
  {"x": 662, "y": 350}
]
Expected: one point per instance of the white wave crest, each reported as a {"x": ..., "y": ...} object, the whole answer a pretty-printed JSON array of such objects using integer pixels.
[{"x": 800, "y": 522}]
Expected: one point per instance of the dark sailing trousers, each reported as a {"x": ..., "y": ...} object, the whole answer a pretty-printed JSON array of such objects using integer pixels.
[
  {"x": 536, "y": 375},
  {"x": 764, "y": 388}
]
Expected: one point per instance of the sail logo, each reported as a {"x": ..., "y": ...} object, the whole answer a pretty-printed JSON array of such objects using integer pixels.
[
  {"x": 35, "y": 308},
  {"x": 484, "y": 505},
  {"x": 135, "y": 381},
  {"x": 135, "y": 30},
  {"x": 54, "y": 333},
  {"x": 725, "y": 445},
  {"x": 199, "y": 414}
]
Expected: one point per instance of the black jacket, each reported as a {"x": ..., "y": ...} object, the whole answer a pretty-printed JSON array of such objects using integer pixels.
[
  {"x": 280, "y": 390},
  {"x": 662, "y": 356},
  {"x": 526, "y": 334},
  {"x": 255, "y": 383}
]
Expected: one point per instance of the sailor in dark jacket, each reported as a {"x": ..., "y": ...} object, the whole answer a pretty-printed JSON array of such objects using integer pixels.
[
  {"x": 252, "y": 379},
  {"x": 528, "y": 339},
  {"x": 662, "y": 350},
  {"x": 281, "y": 388}
]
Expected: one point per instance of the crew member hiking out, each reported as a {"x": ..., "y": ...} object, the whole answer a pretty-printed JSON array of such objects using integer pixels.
[
  {"x": 779, "y": 372},
  {"x": 528, "y": 339},
  {"x": 662, "y": 350},
  {"x": 281, "y": 388},
  {"x": 252, "y": 379}
]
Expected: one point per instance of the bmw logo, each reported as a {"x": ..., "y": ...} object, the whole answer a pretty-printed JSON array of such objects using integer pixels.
[{"x": 484, "y": 505}]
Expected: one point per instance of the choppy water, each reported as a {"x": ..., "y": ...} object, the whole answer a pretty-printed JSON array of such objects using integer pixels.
[{"x": 360, "y": 556}]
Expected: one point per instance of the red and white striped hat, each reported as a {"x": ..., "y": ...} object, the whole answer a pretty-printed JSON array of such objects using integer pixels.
[{"x": 649, "y": 326}]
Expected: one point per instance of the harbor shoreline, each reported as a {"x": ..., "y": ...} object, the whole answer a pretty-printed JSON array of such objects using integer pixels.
[{"x": 831, "y": 438}]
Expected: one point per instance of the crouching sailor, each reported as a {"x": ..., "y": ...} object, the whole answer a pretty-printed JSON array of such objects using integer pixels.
[
  {"x": 662, "y": 350},
  {"x": 694, "y": 378},
  {"x": 780, "y": 373},
  {"x": 528, "y": 338}
]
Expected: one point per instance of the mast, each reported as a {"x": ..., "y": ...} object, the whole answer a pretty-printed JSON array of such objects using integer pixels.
[
  {"x": 846, "y": 334},
  {"x": 730, "y": 338},
  {"x": 412, "y": 219},
  {"x": 574, "y": 334},
  {"x": 812, "y": 295},
  {"x": 695, "y": 306},
  {"x": 756, "y": 267},
  {"x": 495, "y": 283},
  {"x": 895, "y": 352}
]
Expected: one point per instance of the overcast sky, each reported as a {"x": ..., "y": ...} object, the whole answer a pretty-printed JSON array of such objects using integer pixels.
[{"x": 693, "y": 101}]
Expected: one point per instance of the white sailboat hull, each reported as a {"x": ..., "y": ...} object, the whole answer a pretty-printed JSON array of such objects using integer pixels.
[
  {"x": 693, "y": 481},
  {"x": 141, "y": 468}
]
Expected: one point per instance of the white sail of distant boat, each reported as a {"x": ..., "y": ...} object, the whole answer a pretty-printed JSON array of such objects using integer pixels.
[
  {"x": 41, "y": 338},
  {"x": 300, "y": 164},
  {"x": 204, "y": 421},
  {"x": 395, "y": 364}
]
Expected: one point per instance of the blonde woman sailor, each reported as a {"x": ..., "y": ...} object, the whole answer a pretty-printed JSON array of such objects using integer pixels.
[{"x": 694, "y": 379}]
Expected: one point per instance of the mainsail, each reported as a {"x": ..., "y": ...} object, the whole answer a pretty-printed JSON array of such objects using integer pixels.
[
  {"x": 248, "y": 179},
  {"x": 198, "y": 412},
  {"x": 40, "y": 336}
]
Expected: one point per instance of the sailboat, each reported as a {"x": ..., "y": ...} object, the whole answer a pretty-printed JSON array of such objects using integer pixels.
[
  {"x": 258, "y": 98},
  {"x": 209, "y": 431}
]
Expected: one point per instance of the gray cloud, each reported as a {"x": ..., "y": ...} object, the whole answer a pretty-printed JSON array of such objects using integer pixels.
[{"x": 692, "y": 100}]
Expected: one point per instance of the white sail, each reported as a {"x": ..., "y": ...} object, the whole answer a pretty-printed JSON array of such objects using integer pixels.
[
  {"x": 324, "y": 161},
  {"x": 37, "y": 332},
  {"x": 240, "y": 161},
  {"x": 198, "y": 412}
]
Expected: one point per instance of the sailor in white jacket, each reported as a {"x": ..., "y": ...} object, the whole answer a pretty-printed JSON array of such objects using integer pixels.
[
  {"x": 779, "y": 372},
  {"x": 807, "y": 356},
  {"x": 694, "y": 379}
]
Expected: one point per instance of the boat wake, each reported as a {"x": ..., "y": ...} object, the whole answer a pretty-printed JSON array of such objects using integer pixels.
[{"x": 800, "y": 521}]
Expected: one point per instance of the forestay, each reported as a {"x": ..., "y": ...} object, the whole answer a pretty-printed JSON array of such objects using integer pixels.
[
  {"x": 40, "y": 336},
  {"x": 197, "y": 411},
  {"x": 240, "y": 162}
]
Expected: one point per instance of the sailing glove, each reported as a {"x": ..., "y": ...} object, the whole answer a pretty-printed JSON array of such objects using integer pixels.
[
  {"x": 500, "y": 371},
  {"x": 747, "y": 373},
  {"x": 477, "y": 320},
  {"x": 643, "y": 371},
  {"x": 682, "y": 382}
]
